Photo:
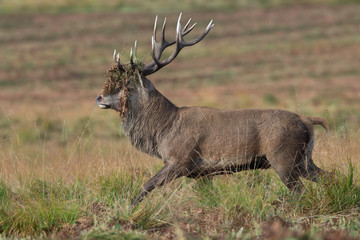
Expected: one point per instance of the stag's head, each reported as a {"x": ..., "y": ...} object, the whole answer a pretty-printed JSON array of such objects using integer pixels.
[{"x": 127, "y": 80}]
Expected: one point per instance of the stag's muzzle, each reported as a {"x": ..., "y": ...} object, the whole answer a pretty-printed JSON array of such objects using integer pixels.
[{"x": 101, "y": 104}]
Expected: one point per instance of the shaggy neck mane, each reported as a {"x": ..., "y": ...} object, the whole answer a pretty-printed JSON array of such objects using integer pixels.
[{"x": 149, "y": 121}]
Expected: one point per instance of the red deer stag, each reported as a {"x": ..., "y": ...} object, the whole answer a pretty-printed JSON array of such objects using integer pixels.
[{"x": 201, "y": 141}]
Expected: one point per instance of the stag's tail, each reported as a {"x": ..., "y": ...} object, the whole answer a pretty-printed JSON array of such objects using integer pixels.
[{"x": 319, "y": 121}]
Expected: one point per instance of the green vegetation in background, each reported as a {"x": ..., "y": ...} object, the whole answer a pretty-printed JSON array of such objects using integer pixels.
[{"x": 158, "y": 6}]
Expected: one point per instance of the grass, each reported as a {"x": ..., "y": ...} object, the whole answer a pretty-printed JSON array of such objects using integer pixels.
[{"x": 67, "y": 170}]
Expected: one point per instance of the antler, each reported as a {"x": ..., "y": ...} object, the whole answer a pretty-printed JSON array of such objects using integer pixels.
[
  {"x": 116, "y": 57},
  {"x": 159, "y": 47}
]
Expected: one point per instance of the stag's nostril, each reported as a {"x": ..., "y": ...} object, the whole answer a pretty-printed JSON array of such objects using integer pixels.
[{"x": 98, "y": 98}]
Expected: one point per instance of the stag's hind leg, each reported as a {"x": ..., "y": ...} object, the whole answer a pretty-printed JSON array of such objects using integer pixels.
[
  {"x": 288, "y": 165},
  {"x": 312, "y": 172}
]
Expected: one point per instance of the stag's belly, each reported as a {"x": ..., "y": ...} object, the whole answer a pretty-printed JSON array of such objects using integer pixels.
[{"x": 205, "y": 167}]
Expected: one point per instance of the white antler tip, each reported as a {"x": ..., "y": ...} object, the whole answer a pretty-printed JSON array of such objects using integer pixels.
[
  {"x": 179, "y": 19},
  {"x": 164, "y": 22},
  {"x": 210, "y": 25},
  {"x": 178, "y": 25},
  {"x": 114, "y": 54},
  {"x": 155, "y": 23}
]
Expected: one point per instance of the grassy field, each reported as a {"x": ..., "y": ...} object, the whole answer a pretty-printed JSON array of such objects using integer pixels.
[{"x": 67, "y": 171}]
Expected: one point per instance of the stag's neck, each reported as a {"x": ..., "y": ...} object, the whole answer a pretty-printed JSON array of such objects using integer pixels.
[{"x": 149, "y": 121}]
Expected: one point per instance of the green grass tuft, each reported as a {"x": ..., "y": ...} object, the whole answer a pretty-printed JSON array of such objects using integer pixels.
[
  {"x": 332, "y": 195},
  {"x": 40, "y": 207}
]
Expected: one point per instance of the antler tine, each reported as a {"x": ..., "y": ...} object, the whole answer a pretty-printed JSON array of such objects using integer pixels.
[
  {"x": 189, "y": 30},
  {"x": 155, "y": 27},
  {"x": 185, "y": 30},
  {"x": 135, "y": 50},
  {"x": 163, "y": 30},
  {"x": 131, "y": 57},
  {"x": 187, "y": 24},
  {"x": 207, "y": 30},
  {"x": 178, "y": 30},
  {"x": 114, "y": 56},
  {"x": 154, "y": 52},
  {"x": 120, "y": 66}
]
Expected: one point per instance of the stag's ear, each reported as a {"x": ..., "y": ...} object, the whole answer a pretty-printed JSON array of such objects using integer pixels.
[{"x": 142, "y": 83}]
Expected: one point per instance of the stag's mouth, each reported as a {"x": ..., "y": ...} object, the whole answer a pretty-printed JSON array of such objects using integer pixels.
[{"x": 104, "y": 106}]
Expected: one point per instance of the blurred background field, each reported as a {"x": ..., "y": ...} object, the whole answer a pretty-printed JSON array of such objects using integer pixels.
[{"x": 301, "y": 56}]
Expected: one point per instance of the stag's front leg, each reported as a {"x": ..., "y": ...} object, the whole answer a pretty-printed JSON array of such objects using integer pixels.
[{"x": 167, "y": 174}]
